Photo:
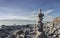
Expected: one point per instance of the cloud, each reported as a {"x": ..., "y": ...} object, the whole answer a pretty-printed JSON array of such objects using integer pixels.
[
  {"x": 13, "y": 13},
  {"x": 46, "y": 14},
  {"x": 49, "y": 11},
  {"x": 47, "y": 17},
  {"x": 14, "y": 17}
]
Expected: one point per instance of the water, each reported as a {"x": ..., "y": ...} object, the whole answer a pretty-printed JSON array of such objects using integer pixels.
[{"x": 18, "y": 22}]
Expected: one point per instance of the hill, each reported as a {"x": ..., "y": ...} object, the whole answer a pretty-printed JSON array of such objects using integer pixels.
[{"x": 56, "y": 20}]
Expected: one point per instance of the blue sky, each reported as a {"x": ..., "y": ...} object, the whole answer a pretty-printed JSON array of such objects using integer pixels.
[{"x": 20, "y": 9}]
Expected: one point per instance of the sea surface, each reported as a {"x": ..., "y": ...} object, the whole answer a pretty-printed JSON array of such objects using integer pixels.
[{"x": 18, "y": 22}]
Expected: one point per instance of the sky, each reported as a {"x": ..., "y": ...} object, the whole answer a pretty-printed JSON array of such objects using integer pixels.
[{"x": 23, "y": 9}]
